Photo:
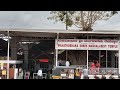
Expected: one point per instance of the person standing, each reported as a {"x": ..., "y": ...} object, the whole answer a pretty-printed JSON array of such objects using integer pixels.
[
  {"x": 20, "y": 73},
  {"x": 60, "y": 63},
  {"x": 39, "y": 74},
  {"x": 85, "y": 73},
  {"x": 77, "y": 74},
  {"x": 93, "y": 66},
  {"x": 27, "y": 74},
  {"x": 97, "y": 66}
]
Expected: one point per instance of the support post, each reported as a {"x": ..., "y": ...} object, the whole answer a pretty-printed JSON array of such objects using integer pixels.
[
  {"x": 25, "y": 49},
  {"x": 54, "y": 63},
  {"x": 119, "y": 57},
  {"x": 87, "y": 59},
  {"x": 56, "y": 53},
  {"x": 8, "y": 55},
  {"x": 119, "y": 61},
  {"x": 14, "y": 48},
  {"x": 56, "y": 58},
  {"x": 106, "y": 60},
  {"x": 87, "y": 54}
]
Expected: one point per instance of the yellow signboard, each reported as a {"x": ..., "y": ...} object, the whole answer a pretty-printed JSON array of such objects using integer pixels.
[{"x": 4, "y": 72}]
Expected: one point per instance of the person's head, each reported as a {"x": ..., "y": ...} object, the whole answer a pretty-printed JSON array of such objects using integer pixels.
[
  {"x": 77, "y": 69},
  {"x": 112, "y": 73},
  {"x": 67, "y": 60},
  {"x": 95, "y": 61}
]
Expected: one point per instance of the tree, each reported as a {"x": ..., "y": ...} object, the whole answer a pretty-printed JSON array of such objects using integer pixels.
[{"x": 81, "y": 19}]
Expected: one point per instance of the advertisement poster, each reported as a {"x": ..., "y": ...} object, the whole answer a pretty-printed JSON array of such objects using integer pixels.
[
  {"x": 67, "y": 73},
  {"x": 71, "y": 73}
]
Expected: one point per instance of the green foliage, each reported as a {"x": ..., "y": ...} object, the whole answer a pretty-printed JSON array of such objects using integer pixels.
[
  {"x": 63, "y": 16},
  {"x": 81, "y": 19}
]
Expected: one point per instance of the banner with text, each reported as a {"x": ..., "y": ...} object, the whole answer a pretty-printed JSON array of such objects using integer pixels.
[{"x": 84, "y": 44}]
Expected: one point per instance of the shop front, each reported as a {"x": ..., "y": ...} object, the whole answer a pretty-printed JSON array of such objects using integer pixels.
[
  {"x": 105, "y": 51},
  {"x": 99, "y": 46}
]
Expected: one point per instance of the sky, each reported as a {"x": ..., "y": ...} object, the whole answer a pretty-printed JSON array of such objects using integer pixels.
[{"x": 38, "y": 20}]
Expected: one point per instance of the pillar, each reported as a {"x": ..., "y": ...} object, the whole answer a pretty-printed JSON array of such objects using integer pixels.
[
  {"x": 56, "y": 52},
  {"x": 56, "y": 58},
  {"x": 106, "y": 59},
  {"x": 54, "y": 63},
  {"x": 119, "y": 57},
  {"x": 25, "y": 50},
  {"x": 13, "y": 48},
  {"x": 87, "y": 60}
]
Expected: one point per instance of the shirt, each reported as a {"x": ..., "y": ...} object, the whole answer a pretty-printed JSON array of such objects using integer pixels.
[
  {"x": 67, "y": 63},
  {"x": 85, "y": 72},
  {"x": 77, "y": 73},
  {"x": 39, "y": 73},
  {"x": 98, "y": 65},
  {"x": 93, "y": 65}
]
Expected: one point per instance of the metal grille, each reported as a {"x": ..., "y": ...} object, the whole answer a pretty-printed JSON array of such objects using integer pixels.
[{"x": 106, "y": 71}]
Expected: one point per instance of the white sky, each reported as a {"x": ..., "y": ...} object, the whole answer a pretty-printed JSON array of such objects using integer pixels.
[{"x": 38, "y": 20}]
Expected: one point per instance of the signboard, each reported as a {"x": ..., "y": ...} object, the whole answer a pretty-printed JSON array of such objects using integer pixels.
[
  {"x": 87, "y": 44},
  {"x": 67, "y": 73},
  {"x": 4, "y": 72},
  {"x": 44, "y": 60}
]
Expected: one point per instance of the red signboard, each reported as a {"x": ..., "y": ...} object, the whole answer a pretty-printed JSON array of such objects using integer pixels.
[{"x": 44, "y": 60}]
